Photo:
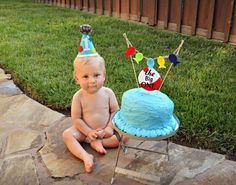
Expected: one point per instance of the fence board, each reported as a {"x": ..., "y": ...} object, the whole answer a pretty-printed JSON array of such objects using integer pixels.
[
  {"x": 145, "y": 10},
  {"x": 86, "y": 5},
  {"x": 124, "y": 11},
  {"x": 116, "y": 7},
  {"x": 203, "y": 14},
  {"x": 135, "y": 10},
  {"x": 72, "y": 3},
  {"x": 174, "y": 15},
  {"x": 163, "y": 13},
  {"x": 179, "y": 15},
  {"x": 67, "y": 3},
  {"x": 232, "y": 37},
  {"x": 108, "y": 7},
  {"x": 210, "y": 18},
  {"x": 78, "y": 4},
  {"x": 194, "y": 17},
  {"x": 58, "y": 2},
  {"x": 63, "y": 3},
  {"x": 152, "y": 15},
  {"x": 100, "y": 7},
  {"x": 233, "y": 30},
  {"x": 189, "y": 17},
  {"x": 220, "y": 15},
  {"x": 92, "y": 6},
  {"x": 229, "y": 14}
]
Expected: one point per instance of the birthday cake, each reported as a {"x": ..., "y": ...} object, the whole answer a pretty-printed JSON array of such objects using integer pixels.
[{"x": 146, "y": 114}]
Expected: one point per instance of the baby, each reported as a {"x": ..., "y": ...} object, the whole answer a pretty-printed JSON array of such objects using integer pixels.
[{"x": 92, "y": 109}]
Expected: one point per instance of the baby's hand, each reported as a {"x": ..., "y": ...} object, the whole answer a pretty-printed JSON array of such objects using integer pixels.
[
  {"x": 93, "y": 134},
  {"x": 101, "y": 133}
]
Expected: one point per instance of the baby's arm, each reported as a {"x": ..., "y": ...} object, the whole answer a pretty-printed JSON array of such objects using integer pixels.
[
  {"x": 78, "y": 122},
  {"x": 113, "y": 106}
]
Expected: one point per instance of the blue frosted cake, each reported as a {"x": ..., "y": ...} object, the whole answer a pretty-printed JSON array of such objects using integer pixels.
[{"x": 146, "y": 114}]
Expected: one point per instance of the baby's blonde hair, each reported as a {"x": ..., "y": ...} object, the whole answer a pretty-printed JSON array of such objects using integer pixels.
[{"x": 87, "y": 60}]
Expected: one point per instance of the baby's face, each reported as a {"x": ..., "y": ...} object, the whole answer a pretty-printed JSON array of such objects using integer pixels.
[{"x": 91, "y": 77}]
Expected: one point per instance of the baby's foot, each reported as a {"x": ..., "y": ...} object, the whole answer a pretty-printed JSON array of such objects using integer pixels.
[
  {"x": 88, "y": 163},
  {"x": 97, "y": 145}
]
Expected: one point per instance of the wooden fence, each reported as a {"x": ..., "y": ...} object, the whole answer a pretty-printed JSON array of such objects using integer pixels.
[{"x": 214, "y": 19}]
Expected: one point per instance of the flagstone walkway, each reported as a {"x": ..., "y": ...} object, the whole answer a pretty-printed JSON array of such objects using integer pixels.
[{"x": 32, "y": 152}]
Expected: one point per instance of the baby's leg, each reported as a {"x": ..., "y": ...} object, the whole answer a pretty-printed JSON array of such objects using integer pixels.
[
  {"x": 98, "y": 146},
  {"x": 71, "y": 136},
  {"x": 110, "y": 142}
]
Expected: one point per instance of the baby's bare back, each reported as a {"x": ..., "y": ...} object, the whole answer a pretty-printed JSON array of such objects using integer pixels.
[{"x": 95, "y": 110}]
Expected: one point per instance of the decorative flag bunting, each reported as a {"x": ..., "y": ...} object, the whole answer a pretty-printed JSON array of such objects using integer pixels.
[
  {"x": 149, "y": 78},
  {"x": 129, "y": 52},
  {"x": 161, "y": 62},
  {"x": 138, "y": 57},
  {"x": 173, "y": 58},
  {"x": 150, "y": 62}
]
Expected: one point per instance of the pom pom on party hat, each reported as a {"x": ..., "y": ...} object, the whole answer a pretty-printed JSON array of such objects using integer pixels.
[{"x": 86, "y": 47}]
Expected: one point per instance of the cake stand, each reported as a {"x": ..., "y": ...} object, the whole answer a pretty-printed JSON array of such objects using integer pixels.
[{"x": 120, "y": 134}]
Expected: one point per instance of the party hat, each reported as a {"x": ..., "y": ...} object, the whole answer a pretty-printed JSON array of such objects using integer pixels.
[{"x": 86, "y": 47}]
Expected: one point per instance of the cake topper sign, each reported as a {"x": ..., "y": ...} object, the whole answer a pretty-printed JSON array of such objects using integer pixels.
[{"x": 149, "y": 78}]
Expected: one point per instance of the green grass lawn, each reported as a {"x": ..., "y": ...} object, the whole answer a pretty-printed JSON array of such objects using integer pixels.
[{"x": 38, "y": 44}]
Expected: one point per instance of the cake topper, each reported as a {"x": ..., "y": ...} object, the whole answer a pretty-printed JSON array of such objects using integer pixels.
[
  {"x": 86, "y": 47},
  {"x": 161, "y": 62},
  {"x": 149, "y": 78}
]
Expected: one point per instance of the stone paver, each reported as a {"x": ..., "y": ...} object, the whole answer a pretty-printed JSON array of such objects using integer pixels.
[
  {"x": 32, "y": 152},
  {"x": 184, "y": 163},
  {"x": 55, "y": 155},
  {"x": 60, "y": 161},
  {"x": 222, "y": 173},
  {"x": 18, "y": 169},
  {"x": 22, "y": 139},
  {"x": 8, "y": 88},
  {"x": 21, "y": 110}
]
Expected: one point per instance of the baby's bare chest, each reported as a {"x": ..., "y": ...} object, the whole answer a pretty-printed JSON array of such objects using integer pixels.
[{"x": 95, "y": 105}]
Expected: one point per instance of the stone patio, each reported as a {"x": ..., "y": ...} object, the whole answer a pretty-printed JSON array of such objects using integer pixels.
[{"x": 32, "y": 152}]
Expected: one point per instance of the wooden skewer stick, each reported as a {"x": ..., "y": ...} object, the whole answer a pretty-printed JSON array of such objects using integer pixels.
[
  {"x": 129, "y": 44},
  {"x": 176, "y": 52}
]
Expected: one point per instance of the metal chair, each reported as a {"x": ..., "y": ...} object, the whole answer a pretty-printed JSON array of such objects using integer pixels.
[{"x": 120, "y": 134}]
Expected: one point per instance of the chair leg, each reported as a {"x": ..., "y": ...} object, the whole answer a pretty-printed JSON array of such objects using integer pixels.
[{"x": 117, "y": 158}]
